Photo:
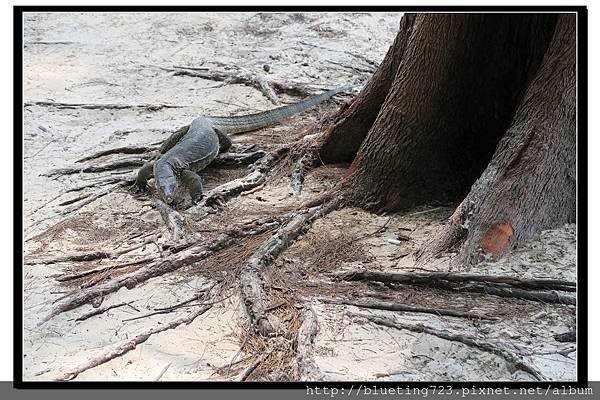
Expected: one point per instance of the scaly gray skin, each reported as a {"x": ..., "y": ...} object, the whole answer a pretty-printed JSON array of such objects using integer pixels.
[{"x": 192, "y": 148}]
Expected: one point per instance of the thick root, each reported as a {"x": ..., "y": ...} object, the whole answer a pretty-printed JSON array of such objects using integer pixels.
[
  {"x": 251, "y": 273},
  {"x": 546, "y": 290},
  {"x": 511, "y": 358},
  {"x": 189, "y": 255},
  {"x": 384, "y": 305},
  {"x": 258, "y": 175},
  {"x": 307, "y": 368}
]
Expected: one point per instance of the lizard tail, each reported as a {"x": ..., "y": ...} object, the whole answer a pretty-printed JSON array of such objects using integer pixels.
[{"x": 245, "y": 123}]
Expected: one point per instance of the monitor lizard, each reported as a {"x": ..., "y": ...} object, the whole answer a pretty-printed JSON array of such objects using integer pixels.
[{"x": 193, "y": 147}]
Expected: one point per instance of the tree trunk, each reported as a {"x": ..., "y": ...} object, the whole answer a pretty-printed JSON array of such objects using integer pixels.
[
  {"x": 530, "y": 183},
  {"x": 482, "y": 106},
  {"x": 345, "y": 137}
]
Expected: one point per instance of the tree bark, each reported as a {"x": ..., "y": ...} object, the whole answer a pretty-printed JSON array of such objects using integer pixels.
[
  {"x": 345, "y": 137},
  {"x": 455, "y": 90},
  {"x": 530, "y": 183},
  {"x": 481, "y": 108}
]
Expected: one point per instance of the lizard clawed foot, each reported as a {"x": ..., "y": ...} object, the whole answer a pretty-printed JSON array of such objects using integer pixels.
[
  {"x": 139, "y": 187},
  {"x": 216, "y": 201},
  {"x": 197, "y": 199}
]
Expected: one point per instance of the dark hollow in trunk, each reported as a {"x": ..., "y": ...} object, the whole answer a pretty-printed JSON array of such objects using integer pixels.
[
  {"x": 471, "y": 107},
  {"x": 530, "y": 183}
]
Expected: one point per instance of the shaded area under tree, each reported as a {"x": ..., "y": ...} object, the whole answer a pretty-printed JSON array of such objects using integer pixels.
[{"x": 470, "y": 108}]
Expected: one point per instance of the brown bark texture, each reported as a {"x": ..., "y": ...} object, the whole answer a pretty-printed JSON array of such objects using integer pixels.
[
  {"x": 481, "y": 108},
  {"x": 345, "y": 137},
  {"x": 455, "y": 91},
  {"x": 530, "y": 183}
]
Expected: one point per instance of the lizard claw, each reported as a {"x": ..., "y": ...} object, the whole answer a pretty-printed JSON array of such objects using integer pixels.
[
  {"x": 138, "y": 191},
  {"x": 197, "y": 199},
  {"x": 216, "y": 201},
  {"x": 139, "y": 187}
]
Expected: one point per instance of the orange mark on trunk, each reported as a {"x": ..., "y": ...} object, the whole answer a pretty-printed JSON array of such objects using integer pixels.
[
  {"x": 352, "y": 168},
  {"x": 497, "y": 239}
]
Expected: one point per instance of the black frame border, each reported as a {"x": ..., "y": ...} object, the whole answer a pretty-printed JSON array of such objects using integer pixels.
[{"x": 582, "y": 198}]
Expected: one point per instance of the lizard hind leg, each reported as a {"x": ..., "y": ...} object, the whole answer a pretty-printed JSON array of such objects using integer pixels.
[
  {"x": 224, "y": 141},
  {"x": 193, "y": 183},
  {"x": 143, "y": 175}
]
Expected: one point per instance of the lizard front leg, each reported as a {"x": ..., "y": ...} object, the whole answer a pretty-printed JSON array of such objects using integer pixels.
[
  {"x": 143, "y": 175},
  {"x": 193, "y": 183}
]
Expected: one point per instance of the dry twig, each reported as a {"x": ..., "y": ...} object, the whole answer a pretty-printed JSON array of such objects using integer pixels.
[
  {"x": 384, "y": 305},
  {"x": 89, "y": 256},
  {"x": 170, "y": 263},
  {"x": 511, "y": 358},
  {"x": 503, "y": 286},
  {"x": 100, "y": 310},
  {"x": 125, "y": 346}
]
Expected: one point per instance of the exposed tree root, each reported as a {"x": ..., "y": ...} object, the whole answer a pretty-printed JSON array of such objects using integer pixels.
[
  {"x": 100, "y": 270},
  {"x": 237, "y": 159},
  {"x": 224, "y": 159},
  {"x": 502, "y": 286},
  {"x": 450, "y": 236},
  {"x": 174, "y": 221},
  {"x": 251, "y": 273},
  {"x": 168, "y": 263},
  {"x": 377, "y": 231},
  {"x": 353, "y": 68},
  {"x": 307, "y": 368},
  {"x": 100, "y": 310},
  {"x": 50, "y": 43},
  {"x": 221, "y": 194},
  {"x": 96, "y": 184},
  {"x": 302, "y": 166},
  {"x": 263, "y": 163},
  {"x": 89, "y": 256},
  {"x": 120, "y": 181},
  {"x": 246, "y": 372},
  {"x": 88, "y": 106},
  {"x": 199, "y": 295},
  {"x": 255, "y": 178},
  {"x": 361, "y": 57},
  {"x": 120, "y": 150},
  {"x": 415, "y": 277},
  {"x": 122, "y": 164},
  {"x": 123, "y": 347},
  {"x": 268, "y": 87},
  {"x": 512, "y": 359},
  {"x": 85, "y": 200},
  {"x": 570, "y": 336},
  {"x": 74, "y": 200},
  {"x": 384, "y": 305},
  {"x": 178, "y": 306}
]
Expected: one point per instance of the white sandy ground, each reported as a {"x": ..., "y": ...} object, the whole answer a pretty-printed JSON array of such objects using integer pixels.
[{"x": 116, "y": 58}]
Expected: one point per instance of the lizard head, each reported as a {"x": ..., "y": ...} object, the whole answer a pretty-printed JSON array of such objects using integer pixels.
[
  {"x": 166, "y": 182},
  {"x": 166, "y": 189}
]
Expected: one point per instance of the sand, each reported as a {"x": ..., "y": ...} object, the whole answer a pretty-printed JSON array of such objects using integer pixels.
[{"x": 119, "y": 58}]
